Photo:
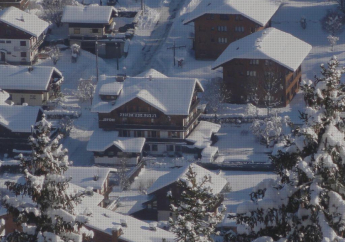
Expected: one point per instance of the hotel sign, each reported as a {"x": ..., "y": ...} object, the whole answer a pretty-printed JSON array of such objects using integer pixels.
[{"x": 138, "y": 115}]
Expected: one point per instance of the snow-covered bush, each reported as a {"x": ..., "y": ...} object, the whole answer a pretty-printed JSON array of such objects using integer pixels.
[
  {"x": 85, "y": 90},
  {"x": 50, "y": 214},
  {"x": 194, "y": 220},
  {"x": 332, "y": 40},
  {"x": 54, "y": 54},
  {"x": 271, "y": 129},
  {"x": 333, "y": 22},
  {"x": 306, "y": 201},
  {"x": 53, "y": 10},
  {"x": 215, "y": 94}
]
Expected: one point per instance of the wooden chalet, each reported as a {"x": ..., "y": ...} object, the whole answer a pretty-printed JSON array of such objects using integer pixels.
[
  {"x": 163, "y": 111},
  {"x": 217, "y": 23},
  {"x": 32, "y": 85},
  {"x": 266, "y": 56},
  {"x": 21, "y": 4},
  {"x": 157, "y": 206},
  {"x": 21, "y": 35},
  {"x": 16, "y": 126}
]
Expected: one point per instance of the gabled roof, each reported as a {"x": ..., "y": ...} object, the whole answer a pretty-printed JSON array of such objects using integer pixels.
[
  {"x": 101, "y": 140},
  {"x": 217, "y": 182},
  {"x": 92, "y": 14},
  {"x": 201, "y": 135},
  {"x": 84, "y": 176},
  {"x": 271, "y": 44},
  {"x": 259, "y": 11},
  {"x": 29, "y": 23},
  {"x": 170, "y": 95},
  {"x": 20, "y": 78},
  {"x": 153, "y": 73},
  {"x": 18, "y": 118}
]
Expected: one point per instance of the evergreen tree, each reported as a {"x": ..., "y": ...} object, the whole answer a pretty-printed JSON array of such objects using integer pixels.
[
  {"x": 49, "y": 216},
  {"x": 306, "y": 201},
  {"x": 195, "y": 221}
]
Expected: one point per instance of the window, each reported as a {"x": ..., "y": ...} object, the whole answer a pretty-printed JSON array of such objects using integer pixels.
[
  {"x": 210, "y": 16},
  {"x": 22, "y": 43},
  {"x": 269, "y": 74},
  {"x": 268, "y": 62},
  {"x": 124, "y": 120},
  {"x": 8, "y": 41},
  {"x": 147, "y": 147},
  {"x": 252, "y": 30},
  {"x": 154, "y": 147},
  {"x": 239, "y": 29},
  {"x": 153, "y": 134},
  {"x": 94, "y": 31},
  {"x": 254, "y": 62},
  {"x": 222, "y": 40},
  {"x": 251, "y": 73},
  {"x": 140, "y": 133},
  {"x": 76, "y": 31},
  {"x": 223, "y": 17},
  {"x": 125, "y": 133},
  {"x": 222, "y": 28},
  {"x": 178, "y": 148},
  {"x": 2, "y": 41},
  {"x": 173, "y": 134},
  {"x": 170, "y": 147},
  {"x": 111, "y": 153},
  {"x": 32, "y": 96},
  {"x": 239, "y": 18},
  {"x": 22, "y": 54}
]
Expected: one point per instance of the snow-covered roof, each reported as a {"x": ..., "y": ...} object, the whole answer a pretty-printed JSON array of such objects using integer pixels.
[
  {"x": 152, "y": 72},
  {"x": 217, "y": 182},
  {"x": 84, "y": 176},
  {"x": 201, "y": 135},
  {"x": 269, "y": 44},
  {"x": 20, "y": 78},
  {"x": 113, "y": 88},
  {"x": 18, "y": 118},
  {"x": 24, "y": 21},
  {"x": 259, "y": 11},
  {"x": 88, "y": 14},
  {"x": 209, "y": 151},
  {"x": 170, "y": 95},
  {"x": 106, "y": 220},
  {"x": 3, "y": 97},
  {"x": 101, "y": 140}
]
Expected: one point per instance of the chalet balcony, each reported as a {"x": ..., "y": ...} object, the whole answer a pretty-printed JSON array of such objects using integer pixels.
[
  {"x": 38, "y": 43},
  {"x": 87, "y": 37},
  {"x": 112, "y": 126}
]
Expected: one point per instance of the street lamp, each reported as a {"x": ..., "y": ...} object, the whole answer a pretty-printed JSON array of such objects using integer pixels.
[{"x": 96, "y": 47}]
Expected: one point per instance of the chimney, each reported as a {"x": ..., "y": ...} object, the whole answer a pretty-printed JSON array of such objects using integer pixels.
[
  {"x": 30, "y": 68},
  {"x": 116, "y": 233},
  {"x": 95, "y": 177},
  {"x": 150, "y": 77},
  {"x": 123, "y": 222}
]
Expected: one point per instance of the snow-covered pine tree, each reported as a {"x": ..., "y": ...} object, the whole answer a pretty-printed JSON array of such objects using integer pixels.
[
  {"x": 193, "y": 219},
  {"x": 306, "y": 202},
  {"x": 50, "y": 215}
]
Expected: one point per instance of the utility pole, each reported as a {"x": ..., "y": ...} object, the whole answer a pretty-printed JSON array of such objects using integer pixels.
[
  {"x": 174, "y": 47},
  {"x": 96, "y": 46},
  {"x": 142, "y": 5}
]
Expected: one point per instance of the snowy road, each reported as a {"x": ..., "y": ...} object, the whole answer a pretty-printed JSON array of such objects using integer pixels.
[{"x": 153, "y": 44}]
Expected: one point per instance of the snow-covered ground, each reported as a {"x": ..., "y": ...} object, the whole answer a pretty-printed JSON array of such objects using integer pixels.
[{"x": 234, "y": 146}]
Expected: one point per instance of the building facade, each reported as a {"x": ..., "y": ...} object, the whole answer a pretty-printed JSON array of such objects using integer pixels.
[
  {"x": 263, "y": 67},
  {"x": 214, "y": 32},
  {"x": 163, "y": 112},
  {"x": 221, "y": 22},
  {"x": 21, "y": 35},
  {"x": 32, "y": 85},
  {"x": 240, "y": 76},
  {"x": 21, "y": 4}
]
